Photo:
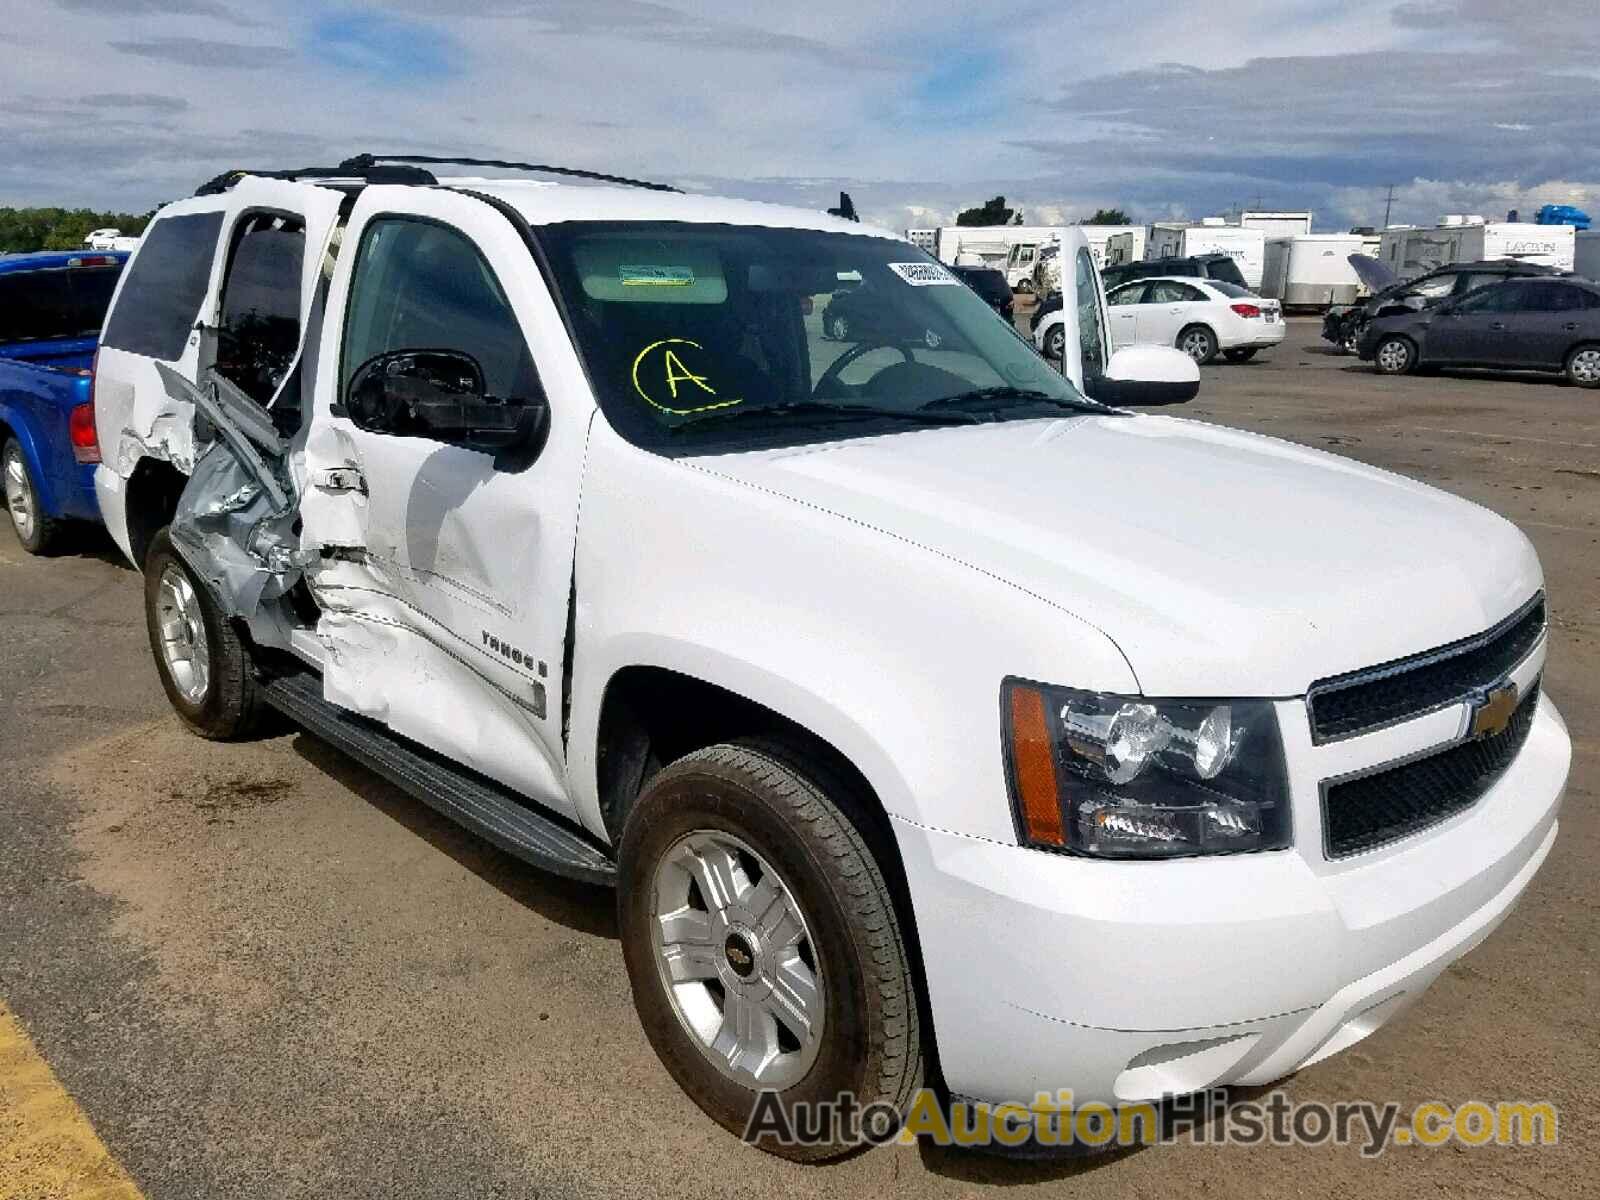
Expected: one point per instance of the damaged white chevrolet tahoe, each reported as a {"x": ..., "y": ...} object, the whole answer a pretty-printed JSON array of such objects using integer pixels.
[{"x": 933, "y": 721}]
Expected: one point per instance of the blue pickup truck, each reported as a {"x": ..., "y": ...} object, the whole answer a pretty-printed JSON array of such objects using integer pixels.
[{"x": 52, "y": 305}]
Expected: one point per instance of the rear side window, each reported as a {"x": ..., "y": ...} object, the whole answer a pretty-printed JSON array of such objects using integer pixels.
[
  {"x": 166, "y": 283},
  {"x": 259, "y": 331},
  {"x": 1231, "y": 290},
  {"x": 67, "y": 303},
  {"x": 1554, "y": 297}
]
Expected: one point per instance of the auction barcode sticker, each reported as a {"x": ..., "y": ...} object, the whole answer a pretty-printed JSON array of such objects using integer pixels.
[{"x": 924, "y": 274}]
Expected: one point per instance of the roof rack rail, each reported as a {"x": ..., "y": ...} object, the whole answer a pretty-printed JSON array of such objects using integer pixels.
[
  {"x": 350, "y": 170},
  {"x": 370, "y": 162}
]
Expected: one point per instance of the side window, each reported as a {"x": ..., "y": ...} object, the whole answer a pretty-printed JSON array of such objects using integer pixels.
[
  {"x": 1440, "y": 285},
  {"x": 259, "y": 328},
  {"x": 1171, "y": 292},
  {"x": 423, "y": 286},
  {"x": 1128, "y": 293},
  {"x": 157, "y": 307},
  {"x": 1552, "y": 297},
  {"x": 1091, "y": 337},
  {"x": 1471, "y": 281},
  {"x": 1504, "y": 297}
]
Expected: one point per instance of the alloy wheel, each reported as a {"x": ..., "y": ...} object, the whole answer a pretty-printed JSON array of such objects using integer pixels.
[
  {"x": 1585, "y": 366},
  {"x": 735, "y": 955},
  {"x": 1394, "y": 356},
  {"x": 20, "y": 500},
  {"x": 184, "y": 648}
]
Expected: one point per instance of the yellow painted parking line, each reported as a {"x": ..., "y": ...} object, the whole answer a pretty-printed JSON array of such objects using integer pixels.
[{"x": 48, "y": 1149}]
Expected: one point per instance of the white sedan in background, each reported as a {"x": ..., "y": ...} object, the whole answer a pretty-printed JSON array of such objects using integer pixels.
[{"x": 1201, "y": 317}]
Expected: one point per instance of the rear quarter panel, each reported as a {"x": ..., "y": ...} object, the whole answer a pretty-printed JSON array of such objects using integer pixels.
[{"x": 35, "y": 403}]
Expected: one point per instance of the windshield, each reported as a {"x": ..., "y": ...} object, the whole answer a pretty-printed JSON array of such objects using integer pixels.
[{"x": 714, "y": 337}]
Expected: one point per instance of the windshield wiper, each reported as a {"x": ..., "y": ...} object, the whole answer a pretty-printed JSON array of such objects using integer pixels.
[
  {"x": 816, "y": 408},
  {"x": 986, "y": 398}
]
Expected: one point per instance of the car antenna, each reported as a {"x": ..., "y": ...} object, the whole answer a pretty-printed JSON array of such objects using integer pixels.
[{"x": 365, "y": 162}]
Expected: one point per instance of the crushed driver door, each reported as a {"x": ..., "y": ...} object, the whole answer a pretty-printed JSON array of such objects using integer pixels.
[{"x": 443, "y": 573}]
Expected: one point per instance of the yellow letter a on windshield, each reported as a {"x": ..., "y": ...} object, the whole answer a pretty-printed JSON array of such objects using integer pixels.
[{"x": 678, "y": 373}]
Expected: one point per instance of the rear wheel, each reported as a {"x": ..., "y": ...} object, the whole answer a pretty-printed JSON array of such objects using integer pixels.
[
  {"x": 1395, "y": 355},
  {"x": 1055, "y": 342},
  {"x": 1199, "y": 343},
  {"x": 1244, "y": 354},
  {"x": 204, "y": 665},
  {"x": 1583, "y": 366},
  {"x": 37, "y": 532},
  {"x": 763, "y": 947}
]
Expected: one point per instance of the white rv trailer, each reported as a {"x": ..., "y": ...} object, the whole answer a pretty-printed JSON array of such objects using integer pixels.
[
  {"x": 1586, "y": 253},
  {"x": 1247, "y": 247},
  {"x": 1411, "y": 252},
  {"x": 1102, "y": 237},
  {"x": 1277, "y": 224},
  {"x": 1010, "y": 248},
  {"x": 1126, "y": 247},
  {"x": 1311, "y": 270},
  {"x": 924, "y": 239}
]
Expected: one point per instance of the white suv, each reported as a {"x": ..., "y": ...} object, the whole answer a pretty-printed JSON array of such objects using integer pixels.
[{"x": 932, "y": 720}]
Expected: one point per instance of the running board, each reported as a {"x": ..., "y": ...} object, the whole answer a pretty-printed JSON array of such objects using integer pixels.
[{"x": 486, "y": 808}]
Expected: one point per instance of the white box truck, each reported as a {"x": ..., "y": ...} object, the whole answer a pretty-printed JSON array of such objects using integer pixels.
[
  {"x": 1247, "y": 247},
  {"x": 1278, "y": 224},
  {"x": 1311, "y": 270},
  {"x": 1412, "y": 252}
]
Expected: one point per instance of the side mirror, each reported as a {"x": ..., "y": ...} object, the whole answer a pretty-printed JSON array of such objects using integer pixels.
[
  {"x": 439, "y": 394},
  {"x": 1145, "y": 376}
]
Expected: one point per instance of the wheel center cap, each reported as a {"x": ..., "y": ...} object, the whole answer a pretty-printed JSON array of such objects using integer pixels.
[{"x": 741, "y": 957}]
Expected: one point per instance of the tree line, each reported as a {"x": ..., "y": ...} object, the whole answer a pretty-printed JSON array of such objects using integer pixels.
[
  {"x": 24, "y": 229},
  {"x": 995, "y": 212}
]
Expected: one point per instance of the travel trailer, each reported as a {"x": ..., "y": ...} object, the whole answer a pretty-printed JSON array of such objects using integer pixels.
[
  {"x": 1411, "y": 252},
  {"x": 1311, "y": 270},
  {"x": 1277, "y": 224},
  {"x": 1247, "y": 247}
]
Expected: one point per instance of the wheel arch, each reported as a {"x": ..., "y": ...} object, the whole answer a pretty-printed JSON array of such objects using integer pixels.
[
  {"x": 16, "y": 426},
  {"x": 651, "y": 715},
  {"x": 152, "y": 498}
]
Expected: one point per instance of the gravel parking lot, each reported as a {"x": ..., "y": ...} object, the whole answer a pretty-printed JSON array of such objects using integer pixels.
[{"x": 262, "y": 972}]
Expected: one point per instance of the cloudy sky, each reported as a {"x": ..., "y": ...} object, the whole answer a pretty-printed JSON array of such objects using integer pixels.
[{"x": 1161, "y": 108}]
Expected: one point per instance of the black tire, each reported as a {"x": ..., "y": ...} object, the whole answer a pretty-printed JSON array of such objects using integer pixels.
[
  {"x": 1583, "y": 366},
  {"x": 1198, "y": 342},
  {"x": 1395, "y": 354},
  {"x": 1055, "y": 342},
  {"x": 36, "y": 530},
  {"x": 870, "y": 1043},
  {"x": 231, "y": 707},
  {"x": 1240, "y": 355}
]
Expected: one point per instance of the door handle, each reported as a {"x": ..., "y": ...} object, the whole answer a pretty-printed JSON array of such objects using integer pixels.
[
  {"x": 1499, "y": 326},
  {"x": 1571, "y": 327}
]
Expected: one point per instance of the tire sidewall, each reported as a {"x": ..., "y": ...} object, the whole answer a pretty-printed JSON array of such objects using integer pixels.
[
  {"x": 1055, "y": 342},
  {"x": 701, "y": 800},
  {"x": 1211, "y": 341}
]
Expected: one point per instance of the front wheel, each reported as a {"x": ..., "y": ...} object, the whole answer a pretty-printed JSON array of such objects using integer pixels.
[
  {"x": 1583, "y": 366},
  {"x": 839, "y": 327},
  {"x": 1395, "y": 355},
  {"x": 37, "y": 531},
  {"x": 1199, "y": 343},
  {"x": 204, "y": 665},
  {"x": 763, "y": 947},
  {"x": 1240, "y": 355}
]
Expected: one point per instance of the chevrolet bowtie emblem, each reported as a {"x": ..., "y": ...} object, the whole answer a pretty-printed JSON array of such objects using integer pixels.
[{"x": 1491, "y": 711}]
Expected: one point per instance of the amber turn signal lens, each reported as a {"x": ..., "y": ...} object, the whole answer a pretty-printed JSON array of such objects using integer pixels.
[{"x": 1033, "y": 768}]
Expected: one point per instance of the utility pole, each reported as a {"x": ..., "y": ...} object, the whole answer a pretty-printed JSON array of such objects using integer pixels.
[{"x": 1387, "y": 205}]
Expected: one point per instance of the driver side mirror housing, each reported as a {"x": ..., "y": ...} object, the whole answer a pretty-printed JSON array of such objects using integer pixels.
[
  {"x": 440, "y": 394},
  {"x": 1147, "y": 376}
]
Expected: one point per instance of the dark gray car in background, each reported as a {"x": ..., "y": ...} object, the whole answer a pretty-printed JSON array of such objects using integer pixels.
[
  {"x": 1343, "y": 323},
  {"x": 1519, "y": 324}
]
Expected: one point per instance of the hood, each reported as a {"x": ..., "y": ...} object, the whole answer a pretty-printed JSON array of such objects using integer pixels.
[
  {"x": 1219, "y": 562},
  {"x": 1373, "y": 273}
]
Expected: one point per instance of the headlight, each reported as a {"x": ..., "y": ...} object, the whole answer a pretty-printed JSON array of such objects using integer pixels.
[{"x": 1130, "y": 777}]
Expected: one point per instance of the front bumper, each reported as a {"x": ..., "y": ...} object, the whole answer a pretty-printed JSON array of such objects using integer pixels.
[{"x": 1133, "y": 981}]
